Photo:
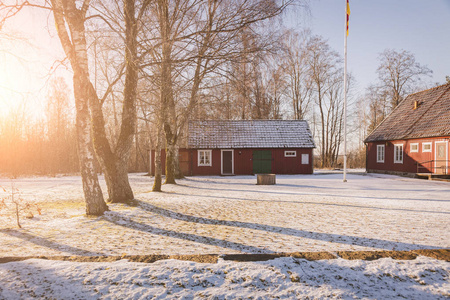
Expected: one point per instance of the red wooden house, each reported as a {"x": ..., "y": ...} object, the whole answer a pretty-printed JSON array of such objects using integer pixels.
[
  {"x": 245, "y": 147},
  {"x": 414, "y": 138}
]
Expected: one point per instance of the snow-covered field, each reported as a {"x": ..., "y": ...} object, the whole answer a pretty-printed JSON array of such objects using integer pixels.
[{"x": 225, "y": 215}]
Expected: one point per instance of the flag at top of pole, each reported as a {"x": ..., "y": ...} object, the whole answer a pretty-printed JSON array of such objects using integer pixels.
[
  {"x": 348, "y": 14},
  {"x": 347, "y": 10}
]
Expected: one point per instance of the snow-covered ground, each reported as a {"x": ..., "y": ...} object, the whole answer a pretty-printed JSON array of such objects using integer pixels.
[
  {"x": 224, "y": 215},
  {"x": 285, "y": 278}
]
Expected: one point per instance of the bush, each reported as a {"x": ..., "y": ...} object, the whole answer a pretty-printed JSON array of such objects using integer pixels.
[{"x": 15, "y": 207}]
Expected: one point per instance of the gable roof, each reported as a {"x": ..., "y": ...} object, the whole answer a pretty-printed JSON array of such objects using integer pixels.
[
  {"x": 430, "y": 119},
  {"x": 228, "y": 134}
]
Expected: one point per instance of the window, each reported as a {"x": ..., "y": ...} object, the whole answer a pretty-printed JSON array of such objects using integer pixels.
[
  {"x": 398, "y": 154},
  {"x": 426, "y": 147},
  {"x": 204, "y": 158},
  {"x": 305, "y": 159},
  {"x": 414, "y": 147},
  {"x": 290, "y": 153},
  {"x": 380, "y": 153}
]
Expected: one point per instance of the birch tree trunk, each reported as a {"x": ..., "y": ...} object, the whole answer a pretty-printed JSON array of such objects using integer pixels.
[
  {"x": 95, "y": 204},
  {"x": 67, "y": 16}
]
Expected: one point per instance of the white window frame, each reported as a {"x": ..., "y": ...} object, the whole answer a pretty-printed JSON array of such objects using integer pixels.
[
  {"x": 380, "y": 153},
  {"x": 398, "y": 156},
  {"x": 426, "y": 144},
  {"x": 305, "y": 159},
  {"x": 206, "y": 163},
  {"x": 411, "y": 147},
  {"x": 291, "y": 153}
]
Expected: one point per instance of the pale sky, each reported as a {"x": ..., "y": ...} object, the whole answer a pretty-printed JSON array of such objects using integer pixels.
[
  {"x": 26, "y": 62},
  {"x": 419, "y": 26}
]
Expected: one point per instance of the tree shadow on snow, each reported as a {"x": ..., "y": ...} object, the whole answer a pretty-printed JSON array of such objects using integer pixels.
[
  {"x": 120, "y": 220},
  {"x": 327, "y": 237},
  {"x": 46, "y": 243},
  {"x": 281, "y": 183},
  {"x": 325, "y": 193},
  {"x": 317, "y": 203}
]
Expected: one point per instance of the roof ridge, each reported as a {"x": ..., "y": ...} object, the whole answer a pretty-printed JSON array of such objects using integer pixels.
[
  {"x": 427, "y": 90},
  {"x": 408, "y": 131}
]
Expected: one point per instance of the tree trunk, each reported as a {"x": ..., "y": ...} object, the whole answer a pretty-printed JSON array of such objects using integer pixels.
[
  {"x": 158, "y": 178},
  {"x": 176, "y": 163},
  {"x": 115, "y": 163},
  {"x": 116, "y": 176},
  {"x": 68, "y": 16},
  {"x": 322, "y": 118},
  {"x": 167, "y": 101},
  {"x": 95, "y": 205},
  {"x": 170, "y": 154}
]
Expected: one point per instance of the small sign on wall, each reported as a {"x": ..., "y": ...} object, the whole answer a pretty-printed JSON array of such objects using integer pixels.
[{"x": 305, "y": 159}]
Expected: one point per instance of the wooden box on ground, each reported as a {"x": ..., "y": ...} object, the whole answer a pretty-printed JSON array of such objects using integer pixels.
[{"x": 265, "y": 179}]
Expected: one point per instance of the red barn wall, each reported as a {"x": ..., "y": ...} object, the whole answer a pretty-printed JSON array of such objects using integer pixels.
[
  {"x": 291, "y": 165},
  {"x": 410, "y": 159},
  {"x": 243, "y": 162},
  {"x": 214, "y": 169}
]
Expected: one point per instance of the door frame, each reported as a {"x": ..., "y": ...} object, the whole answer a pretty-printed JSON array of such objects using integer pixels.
[
  {"x": 435, "y": 154},
  {"x": 232, "y": 161}
]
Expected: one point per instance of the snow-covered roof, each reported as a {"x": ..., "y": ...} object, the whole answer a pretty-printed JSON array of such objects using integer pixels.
[
  {"x": 229, "y": 134},
  {"x": 430, "y": 118}
]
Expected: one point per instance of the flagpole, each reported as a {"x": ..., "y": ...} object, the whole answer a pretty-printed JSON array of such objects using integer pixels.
[{"x": 347, "y": 13}]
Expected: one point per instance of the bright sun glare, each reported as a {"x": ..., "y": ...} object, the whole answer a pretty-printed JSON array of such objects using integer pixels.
[{"x": 27, "y": 53}]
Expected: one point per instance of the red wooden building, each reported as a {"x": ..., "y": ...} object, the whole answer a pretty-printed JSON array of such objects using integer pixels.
[
  {"x": 414, "y": 138},
  {"x": 245, "y": 147}
]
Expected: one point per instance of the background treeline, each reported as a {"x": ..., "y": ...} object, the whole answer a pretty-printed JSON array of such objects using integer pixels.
[{"x": 206, "y": 60}]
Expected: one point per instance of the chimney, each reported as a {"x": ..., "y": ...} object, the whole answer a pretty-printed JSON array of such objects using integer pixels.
[{"x": 416, "y": 104}]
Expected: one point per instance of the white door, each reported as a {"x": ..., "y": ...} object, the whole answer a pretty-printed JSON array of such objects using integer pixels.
[{"x": 441, "y": 158}]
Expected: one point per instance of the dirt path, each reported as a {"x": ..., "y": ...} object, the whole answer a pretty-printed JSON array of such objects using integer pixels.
[{"x": 441, "y": 254}]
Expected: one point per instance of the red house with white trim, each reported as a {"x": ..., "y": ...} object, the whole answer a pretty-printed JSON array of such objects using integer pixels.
[
  {"x": 415, "y": 137},
  {"x": 245, "y": 147}
]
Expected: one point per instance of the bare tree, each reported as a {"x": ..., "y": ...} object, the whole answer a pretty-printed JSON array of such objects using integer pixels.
[
  {"x": 59, "y": 124},
  {"x": 275, "y": 89},
  {"x": 114, "y": 160},
  {"x": 334, "y": 119},
  {"x": 399, "y": 74},
  {"x": 379, "y": 105},
  {"x": 13, "y": 130},
  {"x": 326, "y": 77},
  {"x": 70, "y": 25},
  {"x": 195, "y": 38},
  {"x": 44, "y": 145},
  {"x": 297, "y": 72}
]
